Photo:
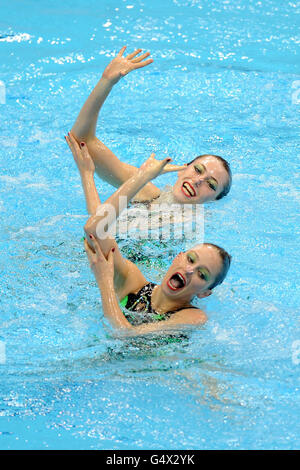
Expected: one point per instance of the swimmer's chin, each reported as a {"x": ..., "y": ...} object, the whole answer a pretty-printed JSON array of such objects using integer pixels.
[{"x": 179, "y": 198}]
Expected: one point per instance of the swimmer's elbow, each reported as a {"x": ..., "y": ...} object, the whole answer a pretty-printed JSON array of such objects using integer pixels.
[{"x": 91, "y": 225}]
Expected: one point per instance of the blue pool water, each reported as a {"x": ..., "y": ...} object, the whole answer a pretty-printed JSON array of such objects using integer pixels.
[{"x": 225, "y": 80}]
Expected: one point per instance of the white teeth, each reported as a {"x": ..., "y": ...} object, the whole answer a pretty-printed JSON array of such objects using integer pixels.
[
  {"x": 177, "y": 282},
  {"x": 188, "y": 188}
]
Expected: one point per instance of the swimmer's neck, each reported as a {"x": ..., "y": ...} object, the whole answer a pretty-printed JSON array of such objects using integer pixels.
[
  {"x": 166, "y": 196},
  {"x": 162, "y": 304}
]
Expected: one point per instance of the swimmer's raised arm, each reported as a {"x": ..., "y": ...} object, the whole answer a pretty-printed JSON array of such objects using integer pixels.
[
  {"x": 86, "y": 169},
  {"x": 149, "y": 170},
  {"x": 85, "y": 125},
  {"x": 107, "y": 164}
]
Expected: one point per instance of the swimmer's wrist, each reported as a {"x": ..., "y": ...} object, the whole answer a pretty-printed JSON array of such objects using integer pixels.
[
  {"x": 107, "y": 81},
  {"x": 146, "y": 176}
]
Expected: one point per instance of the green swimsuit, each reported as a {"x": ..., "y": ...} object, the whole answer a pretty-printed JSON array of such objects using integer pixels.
[{"x": 138, "y": 310}]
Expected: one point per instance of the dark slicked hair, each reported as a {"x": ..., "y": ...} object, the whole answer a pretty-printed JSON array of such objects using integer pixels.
[
  {"x": 226, "y": 165},
  {"x": 226, "y": 261}
]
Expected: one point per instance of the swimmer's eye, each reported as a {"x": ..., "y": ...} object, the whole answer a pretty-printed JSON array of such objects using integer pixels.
[
  {"x": 212, "y": 184},
  {"x": 191, "y": 258},
  {"x": 199, "y": 169},
  {"x": 203, "y": 274}
]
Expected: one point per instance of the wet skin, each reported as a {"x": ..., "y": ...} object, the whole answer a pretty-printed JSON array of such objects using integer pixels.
[
  {"x": 201, "y": 182},
  {"x": 192, "y": 272}
]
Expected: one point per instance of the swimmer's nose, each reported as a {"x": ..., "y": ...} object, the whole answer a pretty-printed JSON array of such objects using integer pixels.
[
  {"x": 198, "y": 183},
  {"x": 189, "y": 271}
]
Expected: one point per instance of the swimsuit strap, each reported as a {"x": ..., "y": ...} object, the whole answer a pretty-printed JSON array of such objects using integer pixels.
[
  {"x": 181, "y": 308},
  {"x": 143, "y": 296}
]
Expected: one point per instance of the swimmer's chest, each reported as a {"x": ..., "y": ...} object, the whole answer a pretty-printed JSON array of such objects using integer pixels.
[{"x": 139, "y": 311}]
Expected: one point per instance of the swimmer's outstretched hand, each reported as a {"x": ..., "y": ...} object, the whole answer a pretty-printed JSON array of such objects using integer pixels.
[
  {"x": 171, "y": 167},
  {"x": 102, "y": 268},
  {"x": 121, "y": 66},
  {"x": 81, "y": 155},
  {"x": 153, "y": 168}
]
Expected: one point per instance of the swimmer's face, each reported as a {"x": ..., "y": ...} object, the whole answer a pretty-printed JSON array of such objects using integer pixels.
[
  {"x": 202, "y": 181},
  {"x": 192, "y": 272}
]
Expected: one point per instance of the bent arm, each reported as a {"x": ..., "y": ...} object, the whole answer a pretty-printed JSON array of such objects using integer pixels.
[
  {"x": 115, "y": 172},
  {"x": 128, "y": 277},
  {"x": 182, "y": 319},
  {"x": 148, "y": 171},
  {"x": 108, "y": 166},
  {"x": 103, "y": 269},
  {"x": 127, "y": 190},
  {"x": 127, "y": 274}
]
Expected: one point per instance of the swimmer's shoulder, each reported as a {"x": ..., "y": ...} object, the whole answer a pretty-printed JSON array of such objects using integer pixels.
[{"x": 190, "y": 315}]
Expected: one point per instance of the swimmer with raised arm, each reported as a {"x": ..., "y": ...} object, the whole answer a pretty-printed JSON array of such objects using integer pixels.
[
  {"x": 206, "y": 178},
  {"x": 167, "y": 305}
]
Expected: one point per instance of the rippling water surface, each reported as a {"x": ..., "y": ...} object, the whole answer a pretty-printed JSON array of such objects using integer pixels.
[{"x": 225, "y": 80}]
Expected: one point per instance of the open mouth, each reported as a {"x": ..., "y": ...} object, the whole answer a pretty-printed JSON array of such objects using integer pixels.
[
  {"x": 176, "y": 282},
  {"x": 188, "y": 189}
]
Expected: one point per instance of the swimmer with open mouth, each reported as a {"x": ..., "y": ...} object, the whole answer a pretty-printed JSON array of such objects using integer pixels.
[{"x": 193, "y": 273}]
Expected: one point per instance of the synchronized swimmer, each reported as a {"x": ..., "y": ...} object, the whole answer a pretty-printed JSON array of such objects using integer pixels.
[
  {"x": 193, "y": 273},
  {"x": 206, "y": 178}
]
